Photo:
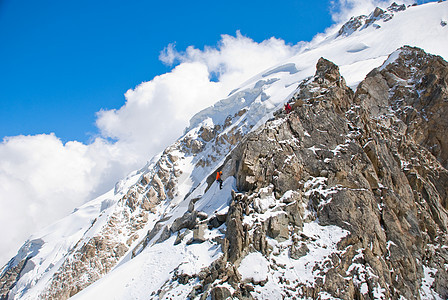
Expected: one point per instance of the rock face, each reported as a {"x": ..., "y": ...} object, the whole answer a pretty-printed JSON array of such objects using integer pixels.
[
  {"x": 364, "y": 163},
  {"x": 418, "y": 96},
  {"x": 363, "y": 21}
]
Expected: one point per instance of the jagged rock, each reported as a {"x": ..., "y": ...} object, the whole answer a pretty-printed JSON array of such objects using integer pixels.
[
  {"x": 151, "y": 200},
  {"x": 377, "y": 12},
  {"x": 227, "y": 122},
  {"x": 278, "y": 227},
  {"x": 181, "y": 236},
  {"x": 396, "y": 8},
  {"x": 362, "y": 22},
  {"x": 297, "y": 252},
  {"x": 166, "y": 234},
  {"x": 131, "y": 199},
  {"x": 217, "y": 220},
  {"x": 373, "y": 94},
  {"x": 199, "y": 233},
  {"x": 145, "y": 179},
  {"x": 172, "y": 158},
  {"x": 188, "y": 220},
  {"x": 131, "y": 239},
  {"x": 234, "y": 233},
  {"x": 9, "y": 278},
  {"x": 221, "y": 217},
  {"x": 158, "y": 187},
  {"x": 220, "y": 293},
  {"x": 352, "y": 25},
  {"x": 146, "y": 205},
  {"x": 327, "y": 72},
  {"x": 259, "y": 241},
  {"x": 193, "y": 144},
  {"x": 206, "y": 133},
  {"x": 295, "y": 214},
  {"x": 213, "y": 222}
]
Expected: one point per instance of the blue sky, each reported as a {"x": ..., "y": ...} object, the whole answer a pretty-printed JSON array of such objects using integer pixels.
[{"x": 62, "y": 61}]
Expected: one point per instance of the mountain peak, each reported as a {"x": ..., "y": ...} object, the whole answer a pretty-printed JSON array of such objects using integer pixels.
[
  {"x": 363, "y": 21},
  {"x": 327, "y": 70}
]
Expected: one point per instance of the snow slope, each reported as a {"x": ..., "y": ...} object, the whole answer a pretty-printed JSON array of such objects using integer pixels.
[{"x": 248, "y": 106}]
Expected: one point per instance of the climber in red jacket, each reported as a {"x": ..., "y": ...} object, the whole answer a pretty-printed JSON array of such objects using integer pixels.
[
  {"x": 219, "y": 179},
  {"x": 287, "y": 108}
]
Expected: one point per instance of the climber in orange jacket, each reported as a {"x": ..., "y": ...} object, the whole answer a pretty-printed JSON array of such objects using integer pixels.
[{"x": 219, "y": 179}]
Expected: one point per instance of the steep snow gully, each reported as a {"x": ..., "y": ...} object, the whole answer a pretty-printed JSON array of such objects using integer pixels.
[{"x": 345, "y": 197}]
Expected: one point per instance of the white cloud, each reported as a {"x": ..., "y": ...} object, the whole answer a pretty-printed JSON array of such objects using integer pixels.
[
  {"x": 235, "y": 58},
  {"x": 42, "y": 179}
]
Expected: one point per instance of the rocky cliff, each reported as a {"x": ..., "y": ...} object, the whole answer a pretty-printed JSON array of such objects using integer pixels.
[{"x": 366, "y": 168}]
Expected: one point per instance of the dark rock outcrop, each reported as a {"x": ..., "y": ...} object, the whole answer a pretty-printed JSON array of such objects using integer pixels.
[{"x": 415, "y": 87}]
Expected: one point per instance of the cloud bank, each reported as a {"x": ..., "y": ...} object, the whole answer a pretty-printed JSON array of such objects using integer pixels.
[{"x": 42, "y": 180}]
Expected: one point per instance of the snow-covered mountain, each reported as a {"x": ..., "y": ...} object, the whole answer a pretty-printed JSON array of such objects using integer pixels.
[{"x": 160, "y": 232}]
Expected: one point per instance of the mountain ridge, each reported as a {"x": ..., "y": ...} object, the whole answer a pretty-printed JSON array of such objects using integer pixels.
[{"x": 176, "y": 186}]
